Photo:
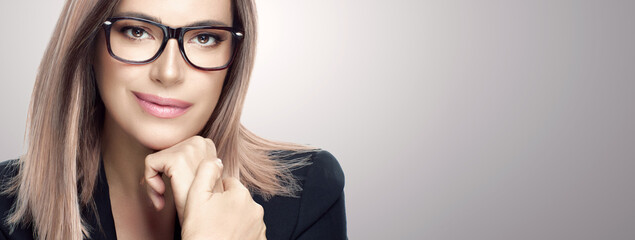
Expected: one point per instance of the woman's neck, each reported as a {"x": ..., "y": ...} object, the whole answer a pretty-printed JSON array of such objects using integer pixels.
[
  {"x": 123, "y": 156},
  {"x": 133, "y": 213}
]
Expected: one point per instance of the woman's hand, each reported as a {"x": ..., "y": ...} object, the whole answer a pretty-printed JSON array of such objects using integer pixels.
[
  {"x": 179, "y": 163},
  {"x": 230, "y": 213},
  {"x": 208, "y": 206}
]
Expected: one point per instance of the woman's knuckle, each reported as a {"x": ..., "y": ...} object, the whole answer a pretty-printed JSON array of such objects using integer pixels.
[
  {"x": 177, "y": 158},
  {"x": 237, "y": 196},
  {"x": 211, "y": 165},
  {"x": 244, "y": 195},
  {"x": 210, "y": 143},
  {"x": 260, "y": 211},
  {"x": 197, "y": 138},
  {"x": 207, "y": 164},
  {"x": 201, "y": 143},
  {"x": 149, "y": 159},
  {"x": 181, "y": 161},
  {"x": 188, "y": 149}
]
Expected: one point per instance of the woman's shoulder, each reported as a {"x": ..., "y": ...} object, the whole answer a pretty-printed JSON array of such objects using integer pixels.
[
  {"x": 319, "y": 206},
  {"x": 323, "y": 187},
  {"x": 8, "y": 170},
  {"x": 318, "y": 166},
  {"x": 324, "y": 174},
  {"x": 6, "y": 163}
]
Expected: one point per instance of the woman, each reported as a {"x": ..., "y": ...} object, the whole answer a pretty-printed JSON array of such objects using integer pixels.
[{"x": 135, "y": 104}]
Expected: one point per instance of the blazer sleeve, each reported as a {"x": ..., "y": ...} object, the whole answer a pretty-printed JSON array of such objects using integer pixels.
[{"x": 322, "y": 213}]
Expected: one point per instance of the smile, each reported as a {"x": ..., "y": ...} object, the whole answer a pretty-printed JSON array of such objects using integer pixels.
[{"x": 162, "y": 107}]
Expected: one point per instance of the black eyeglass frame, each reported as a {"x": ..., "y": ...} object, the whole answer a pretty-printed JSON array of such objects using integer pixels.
[{"x": 176, "y": 33}]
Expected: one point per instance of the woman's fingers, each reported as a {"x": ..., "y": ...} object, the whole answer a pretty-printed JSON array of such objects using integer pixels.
[
  {"x": 233, "y": 184},
  {"x": 218, "y": 186},
  {"x": 232, "y": 214},
  {"x": 179, "y": 164},
  {"x": 208, "y": 173},
  {"x": 154, "y": 181},
  {"x": 157, "y": 199},
  {"x": 211, "y": 148},
  {"x": 171, "y": 166},
  {"x": 192, "y": 160}
]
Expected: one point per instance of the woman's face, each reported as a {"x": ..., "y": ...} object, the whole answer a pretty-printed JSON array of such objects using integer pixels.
[{"x": 166, "y": 101}]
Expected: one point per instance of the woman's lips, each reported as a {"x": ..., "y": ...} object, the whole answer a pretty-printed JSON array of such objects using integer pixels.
[{"x": 161, "y": 107}]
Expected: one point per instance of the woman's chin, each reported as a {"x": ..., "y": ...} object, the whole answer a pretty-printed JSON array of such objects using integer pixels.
[
  {"x": 158, "y": 146},
  {"x": 158, "y": 143}
]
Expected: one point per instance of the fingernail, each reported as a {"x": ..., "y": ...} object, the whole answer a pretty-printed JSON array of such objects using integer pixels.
[{"x": 219, "y": 162}]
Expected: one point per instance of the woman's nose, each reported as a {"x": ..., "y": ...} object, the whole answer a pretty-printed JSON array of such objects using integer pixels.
[{"x": 169, "y": 68}]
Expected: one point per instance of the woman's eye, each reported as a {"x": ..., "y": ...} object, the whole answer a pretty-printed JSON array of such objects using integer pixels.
[
  {"x": 205, "y": 40},
  {"x": 136, "y": 33}
]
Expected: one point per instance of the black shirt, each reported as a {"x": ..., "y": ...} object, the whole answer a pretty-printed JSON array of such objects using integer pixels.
[{"x": 318, "y": 212}]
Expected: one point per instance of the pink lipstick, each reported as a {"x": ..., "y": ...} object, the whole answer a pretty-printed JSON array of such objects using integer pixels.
[{"x": 161, "y": 107}]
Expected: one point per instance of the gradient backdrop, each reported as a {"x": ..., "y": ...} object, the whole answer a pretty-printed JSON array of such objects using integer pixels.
[{"x": 452, "y": 119}]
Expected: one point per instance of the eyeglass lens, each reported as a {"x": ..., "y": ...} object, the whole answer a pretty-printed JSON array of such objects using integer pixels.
[{"x": 139, "y": 41}]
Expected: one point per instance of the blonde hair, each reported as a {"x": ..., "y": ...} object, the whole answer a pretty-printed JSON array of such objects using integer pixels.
[{"x": 58, "y": 172}]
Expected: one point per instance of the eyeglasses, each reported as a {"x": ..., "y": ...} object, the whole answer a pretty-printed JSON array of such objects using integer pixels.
[{"x": 140, "y": 41}]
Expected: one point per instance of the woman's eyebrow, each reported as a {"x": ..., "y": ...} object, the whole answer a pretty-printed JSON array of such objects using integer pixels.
[{"x": 158, "y": 20}]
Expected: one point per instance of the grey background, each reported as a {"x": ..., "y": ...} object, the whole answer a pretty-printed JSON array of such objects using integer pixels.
[{"x": 452, "y": 119}]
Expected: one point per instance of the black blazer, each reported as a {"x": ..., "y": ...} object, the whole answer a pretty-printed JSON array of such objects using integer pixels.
[{"x": 317, "y": 214}]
